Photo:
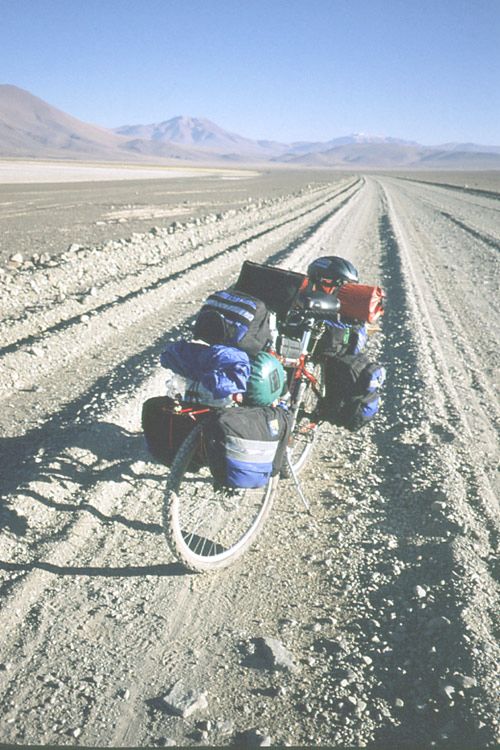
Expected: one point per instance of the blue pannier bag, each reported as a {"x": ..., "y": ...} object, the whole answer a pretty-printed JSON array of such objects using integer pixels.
[
  {"x": 245, "y": 445},
  {"x": 352, "y": 390},
  {"x": 234, "y": 319}
]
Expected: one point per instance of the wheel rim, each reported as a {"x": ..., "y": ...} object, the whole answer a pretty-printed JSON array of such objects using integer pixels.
[{"x": 210, "y": 527}]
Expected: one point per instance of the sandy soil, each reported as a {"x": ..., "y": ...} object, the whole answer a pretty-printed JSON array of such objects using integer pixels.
[
  {"x": 46, "y": 218},
  {"x": 387, "y": 603},
  {"x": 13, "y": 171}
]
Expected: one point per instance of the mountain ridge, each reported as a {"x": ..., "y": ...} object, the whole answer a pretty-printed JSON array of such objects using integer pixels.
[{"x": 32, "y": 128}]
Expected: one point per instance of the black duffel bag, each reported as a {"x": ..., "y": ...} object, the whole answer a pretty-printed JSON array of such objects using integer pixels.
[
  {"x": 277, "y": 287},
  {"x": 352, "y": 390},
  {"x": 165, "y": 428}
]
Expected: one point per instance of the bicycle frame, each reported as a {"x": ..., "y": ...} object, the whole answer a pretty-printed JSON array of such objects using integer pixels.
[{"x": 301, "y": 373}]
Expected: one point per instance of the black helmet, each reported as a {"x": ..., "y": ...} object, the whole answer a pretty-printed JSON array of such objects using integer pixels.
[{"x": 331, "y": 270}]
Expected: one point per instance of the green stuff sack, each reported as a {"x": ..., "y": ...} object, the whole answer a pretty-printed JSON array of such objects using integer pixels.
[{"x": 266, "y": 382}]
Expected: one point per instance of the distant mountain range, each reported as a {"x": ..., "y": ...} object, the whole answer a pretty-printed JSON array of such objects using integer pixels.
[{"x": 31, "y": 128}]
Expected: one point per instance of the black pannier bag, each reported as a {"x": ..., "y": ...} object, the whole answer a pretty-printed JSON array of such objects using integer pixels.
[
  {"x": 352, "y": 386},
  {"x": 233, "y": 318},
  {"x": 276, "y": 287},
  {"x": 245, "y": 446},
  {"x": 342, "y": 338},
  {"x": 165, "y": 429},
  {"x": 335, "y": 339}
]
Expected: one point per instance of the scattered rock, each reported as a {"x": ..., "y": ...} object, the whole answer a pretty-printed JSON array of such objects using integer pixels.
[
  {"x": 448, "y": 691},
  {"x": 183, "y": 701},
  {"x": 253, "y": 738},
  {"x": 438, "y": 623},
  {"x": 225, "y": 726},
  {"x": 438, "y": 505},
  {"x": 274, "y": 654},
  {"x": 465, "y": 682},
  {"x": 204, "y": 726}
]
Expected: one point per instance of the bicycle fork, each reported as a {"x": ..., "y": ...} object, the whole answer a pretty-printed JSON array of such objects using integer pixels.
[{"x": 298, "y": 486}]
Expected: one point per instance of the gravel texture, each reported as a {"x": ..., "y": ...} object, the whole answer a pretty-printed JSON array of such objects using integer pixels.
[{"x": 373, "y": 625}]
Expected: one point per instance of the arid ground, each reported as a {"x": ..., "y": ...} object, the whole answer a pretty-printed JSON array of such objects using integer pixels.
[{"x": 386, "y": 602}]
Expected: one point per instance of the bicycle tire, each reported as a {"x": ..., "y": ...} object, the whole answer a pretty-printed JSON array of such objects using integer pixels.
[
  {"x": 307, "y": 425},
  {"x": 193, "y": 508}
]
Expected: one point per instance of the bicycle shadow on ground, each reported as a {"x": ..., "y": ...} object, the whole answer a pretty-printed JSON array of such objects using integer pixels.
[
  {"x": 102, "y": 452},
  {"x": 129, "y": 571},
  {"x": 94, "y": 454}
]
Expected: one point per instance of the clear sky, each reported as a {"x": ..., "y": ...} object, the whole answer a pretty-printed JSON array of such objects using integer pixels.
[{"x": 424, "y": 70}]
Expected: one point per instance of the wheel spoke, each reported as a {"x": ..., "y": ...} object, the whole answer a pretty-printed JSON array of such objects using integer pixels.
[
  {"x": 306, "y": 425},
  {"x": 209, "y": 527}
]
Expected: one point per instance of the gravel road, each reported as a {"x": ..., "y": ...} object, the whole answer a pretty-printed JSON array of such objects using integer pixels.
[{"x": 375, "y": 623}]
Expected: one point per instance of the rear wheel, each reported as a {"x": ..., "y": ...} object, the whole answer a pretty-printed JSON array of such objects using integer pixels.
[
  {"x": 209, "y": 528},
  {"x": 307, "y": 424}
]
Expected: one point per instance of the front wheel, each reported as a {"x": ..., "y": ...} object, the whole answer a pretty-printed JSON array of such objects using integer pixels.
[
  {"x": 209, "y": 528},
  {"x": 307, "y": 423}
]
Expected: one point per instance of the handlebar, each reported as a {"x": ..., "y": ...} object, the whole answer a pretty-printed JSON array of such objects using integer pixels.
[{"x": 315, "y": 309}]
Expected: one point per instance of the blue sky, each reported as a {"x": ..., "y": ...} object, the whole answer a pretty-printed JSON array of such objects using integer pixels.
[{"x": 297, "y": 70}]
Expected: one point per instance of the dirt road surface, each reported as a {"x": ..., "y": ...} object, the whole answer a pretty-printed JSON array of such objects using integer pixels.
[{"x": 386, "y": 603}]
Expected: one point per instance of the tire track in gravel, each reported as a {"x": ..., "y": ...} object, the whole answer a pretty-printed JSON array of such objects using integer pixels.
[
  {"x": 480, "y": 220},
  {"x": 103, "y": 330},
  {"x": 93, "y": 551},
  {"x": 458, "y": 188},
  {"x": 206, "y": 261},
  {"x": 450, "y": 327},
  {"x": 92, "y": 623},
  {"x": 64, "y": 426},
  {"x": 487, "y": 239},
  {"x": 414, "y": 664},
  {"x": 427, "y": 292},
  {"x": 457, "y": 307},
  {"x": 419, "y": 592},
  {"x": 446, "y": 533}
]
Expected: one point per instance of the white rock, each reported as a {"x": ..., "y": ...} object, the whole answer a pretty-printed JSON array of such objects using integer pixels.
[
  {"x": 448, "y": 691},
  {"x": 185, "y": 701}
]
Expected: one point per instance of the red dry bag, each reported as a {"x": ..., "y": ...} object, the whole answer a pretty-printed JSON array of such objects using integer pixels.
[{"x": 361, "y": 302}]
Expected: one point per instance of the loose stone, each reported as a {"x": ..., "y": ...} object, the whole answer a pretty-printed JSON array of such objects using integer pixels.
[
  {"x": 274, "y": 653},
  {"x": 183, "y": 701}
]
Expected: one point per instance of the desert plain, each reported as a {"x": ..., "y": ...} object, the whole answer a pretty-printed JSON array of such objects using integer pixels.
[{"x": 383, "y": 610}]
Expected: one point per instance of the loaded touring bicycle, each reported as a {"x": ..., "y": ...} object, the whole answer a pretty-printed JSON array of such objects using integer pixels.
[{"x": 226, "y": 461}]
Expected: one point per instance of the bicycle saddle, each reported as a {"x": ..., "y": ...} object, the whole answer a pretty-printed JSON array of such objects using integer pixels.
[{"x": 322, "y": 305}]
